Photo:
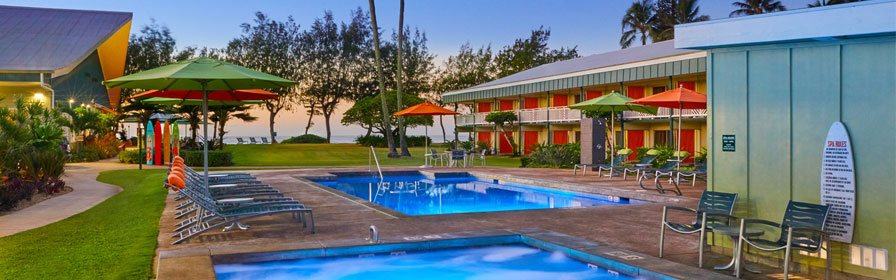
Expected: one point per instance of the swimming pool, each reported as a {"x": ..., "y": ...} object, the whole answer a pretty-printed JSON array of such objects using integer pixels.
[
  {"x": 416, "y": 194},
  {"x": 509, "y": 261}
]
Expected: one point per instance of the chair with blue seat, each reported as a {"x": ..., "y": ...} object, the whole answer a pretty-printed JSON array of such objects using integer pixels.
[
  {"x": 801, "y": 229},
  {"x": 713, "y": 210}
]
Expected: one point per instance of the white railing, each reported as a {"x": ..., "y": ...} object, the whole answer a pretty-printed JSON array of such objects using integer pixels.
[
  {"x": 536, "y": 115},
  {"x": 663, "y": 113}
]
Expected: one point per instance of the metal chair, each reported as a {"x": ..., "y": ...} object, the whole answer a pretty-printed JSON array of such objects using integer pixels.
[
  {"x": 714, "y": 210},
  {"x": 477, "y": 156},
  {"x": 456, "y": 156},
  {"x": 433, "y": 156},
  {"x": 802, "y": 229}
]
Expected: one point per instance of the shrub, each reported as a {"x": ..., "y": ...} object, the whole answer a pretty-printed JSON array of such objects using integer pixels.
[
  {"x": 642, "y": 151},
  {"x": 468, "y": 145},
  {"x": 372, "y": 140},
  {"x": 305, "y": 139},
  {"x": 418, "y": 141},
  {"x": 481, "y": 146},
  {"x": 13, "y": 190},
  {"x": 87, "y": 154},
  {"x": 554, "y": 155},
  {"x": 107, "y": 145},
  {"x": 129, "y": 156},
  {"x": 215, "y": 158}
]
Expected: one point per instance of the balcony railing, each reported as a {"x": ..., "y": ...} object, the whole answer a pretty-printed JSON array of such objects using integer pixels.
[{"x": 663, "y": 113}]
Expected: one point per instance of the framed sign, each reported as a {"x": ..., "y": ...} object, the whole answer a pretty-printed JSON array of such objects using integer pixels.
[
  {"x": 728, "y": 143},
  {"x": 838, "y": 183}
]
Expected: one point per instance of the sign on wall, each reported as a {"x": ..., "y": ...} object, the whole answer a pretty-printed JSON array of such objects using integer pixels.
[
  {"x": 838, "y": 183},
  {"x": 728, "y": 143}
]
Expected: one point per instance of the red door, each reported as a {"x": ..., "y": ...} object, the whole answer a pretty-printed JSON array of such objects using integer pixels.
[
  {"x": 561, "y": 100},
  {"x": 506, "y": 105},
  {"x": 635, "y": 141},
  {"x": 485, "y": 107},
  {"x": 561, "y": 137},
  {"x": 687, "y": 143},
  {"x": 688, "y": 85},
  {"x": 530, "y": 138},
  {"x": 484, "y": 137},
  {"x": 504, "y": 147},
  {"x": 593, "y": 94},
  {"x": 635, "y": 92},
  {"x": 531, "y": 102}
]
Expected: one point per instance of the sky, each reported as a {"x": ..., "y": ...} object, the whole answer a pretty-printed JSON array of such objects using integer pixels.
[{"x": 593, "y": 26}]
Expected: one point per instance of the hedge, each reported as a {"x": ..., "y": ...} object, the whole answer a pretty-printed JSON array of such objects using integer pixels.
[
  {"x": 305, "y": 139},
  {"x": 215, "y": 158},
  {"x": 129, "y": 156}
]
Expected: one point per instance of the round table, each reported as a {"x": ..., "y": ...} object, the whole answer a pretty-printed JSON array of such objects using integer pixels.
[{"x": 734, "y": 233}]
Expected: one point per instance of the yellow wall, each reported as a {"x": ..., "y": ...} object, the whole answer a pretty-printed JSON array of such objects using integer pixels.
[{"x": 113, "y": 54}]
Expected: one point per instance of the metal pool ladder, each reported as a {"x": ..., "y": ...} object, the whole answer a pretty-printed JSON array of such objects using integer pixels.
[
  {"x": 369, "y": 163},
  {"x": 374, "y": 235}
]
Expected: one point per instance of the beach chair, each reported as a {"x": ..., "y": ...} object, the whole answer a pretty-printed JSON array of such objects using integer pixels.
[
  {"x": 264, "y": 140},
  {"x": 456, "y": 157},
  {"x": 433, "y": 156},
  {"x": 698, "y": 172},
  {"x": 619, "y": 159},
  {"x": 642, "y": 165},
  {"x": 801, "y": 229},
  {"x": 713, "y": 210},
  {"x": 477, "y": 156},
  {"x": 666, "y": 169},
  {"x": 252, "y": 140},
  {"x": 240, "y": 141}
]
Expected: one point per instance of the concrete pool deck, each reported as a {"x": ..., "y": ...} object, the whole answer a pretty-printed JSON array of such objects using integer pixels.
[{"x": 343, "y": 221}]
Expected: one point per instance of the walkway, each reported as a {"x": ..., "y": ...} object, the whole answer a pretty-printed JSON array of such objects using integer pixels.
[{"x": 86, "y": 193}]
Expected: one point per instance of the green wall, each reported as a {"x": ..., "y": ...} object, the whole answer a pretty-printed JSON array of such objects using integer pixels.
[{"x": 779, "y": 100}]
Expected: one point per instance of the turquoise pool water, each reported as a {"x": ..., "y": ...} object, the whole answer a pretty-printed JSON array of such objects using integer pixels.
[
  {"x": 419, "y": 195},
  {"x": 515, "y": 262}
]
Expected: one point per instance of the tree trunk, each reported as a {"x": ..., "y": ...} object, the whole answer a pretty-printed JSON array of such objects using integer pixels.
[
  {"x": 327, "y": 124},
  {"x": 273, "y": 139},
  {"x": 401, "y": 129},
  {"x": 509, "y": 140},
  {"x": 310, "y": 116},
  {"x": 379, "y": 74},
  {"x": 444, "y": 135},
  {"x": 369, "y": 130}
]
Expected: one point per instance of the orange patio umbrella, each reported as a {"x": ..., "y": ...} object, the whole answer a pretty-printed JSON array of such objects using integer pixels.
[
  {"x": 680, "y": 98},
  {"x": 425, "y": 109}
]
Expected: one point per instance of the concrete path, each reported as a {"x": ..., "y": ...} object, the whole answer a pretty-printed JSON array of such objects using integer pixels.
[{"x": 86, "y": 193}]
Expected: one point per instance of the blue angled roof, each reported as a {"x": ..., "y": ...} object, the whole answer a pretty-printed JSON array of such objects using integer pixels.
[{"x": 42, "y": 39}]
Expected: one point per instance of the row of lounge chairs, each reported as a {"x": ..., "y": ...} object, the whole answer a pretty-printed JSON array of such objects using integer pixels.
[
  {"x": 264, "y": 140},
  {"x": 802, "y": 228},
  {"x": 643, "y": 171},
  {"x": 228, "y": 199}
]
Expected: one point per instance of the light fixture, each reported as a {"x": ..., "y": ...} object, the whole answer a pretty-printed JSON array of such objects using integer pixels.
[
  {"x": 70, "y": 101},
  {"x": 39, "y": 96}
]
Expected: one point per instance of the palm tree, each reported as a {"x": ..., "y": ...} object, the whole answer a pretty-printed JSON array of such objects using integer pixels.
[
  {"x": 636, "y": 22},
  {"x": 755, "y": 7},
  {"x": 819, "y": 3},
  {"x": 382, "y": 85},
  {"x": 224, "y": 113},
  {"x": 401, "y": 129},
  {"x": 672, "y": 12}
]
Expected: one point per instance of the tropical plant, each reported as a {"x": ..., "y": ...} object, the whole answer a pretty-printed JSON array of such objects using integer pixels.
[
  {"x": 819, "y": 3},
  {"x": 755, "y": 7},
  {"x": 222, "y": 114},
  {"x": 554, "y": 155},
  {"x": 379, "y": 74},
  {"x": 500, "y": 119},
  {"x": 636, "y": 23},
  {"x": 672, "y": 12}
]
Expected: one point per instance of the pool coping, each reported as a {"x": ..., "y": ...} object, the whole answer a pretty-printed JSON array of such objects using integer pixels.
[{"x": 198, "y": 263}]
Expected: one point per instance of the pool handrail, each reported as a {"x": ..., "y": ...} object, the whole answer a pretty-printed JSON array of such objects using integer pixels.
[{"x": 373, "y": 152}]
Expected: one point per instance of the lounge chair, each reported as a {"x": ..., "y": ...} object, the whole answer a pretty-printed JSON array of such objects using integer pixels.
[
  {"x": 666, "y": 169},
  {"x": 619, "y": 159},
  {"x": 801, "y": 229},
  {"x": 252, "y": 140},
  {"x": 457, "y": 156},
  {"x": 642, "y": 165},
  {"x": 240, "y": 141},
  {"x": 264, "y": 140},
  {"x": 713, "y": 210},
  {"x": 433, "y": 156},
  {"x": 698, "y": 172}
]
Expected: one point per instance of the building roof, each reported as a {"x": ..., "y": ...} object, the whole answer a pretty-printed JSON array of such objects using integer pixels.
[
  {"x": 635, "y": 63},
  {"x": 859, "y": 19},
  {"x": 41, "y": 39}
]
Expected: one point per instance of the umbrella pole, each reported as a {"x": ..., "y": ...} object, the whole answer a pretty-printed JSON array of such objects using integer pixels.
[
  {"x": 205, "y": 133},
  {"x": 678, "y": 164},
  {"x": 612, "y": 140}
]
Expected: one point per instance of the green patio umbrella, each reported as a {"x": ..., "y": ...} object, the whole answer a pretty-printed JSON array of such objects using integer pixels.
[
  {"x": 200, "y": 74},
  {"x": 611, "y": 103},
  {"x": 192, "y": 102}
]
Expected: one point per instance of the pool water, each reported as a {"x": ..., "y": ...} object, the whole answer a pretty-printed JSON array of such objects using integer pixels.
[
  {"x": 419, "y": 195},
  {"x": 517, "y": 262}
]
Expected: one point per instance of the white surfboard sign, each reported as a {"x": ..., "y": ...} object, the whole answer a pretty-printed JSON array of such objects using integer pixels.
[{"x": 838, "y": 183}]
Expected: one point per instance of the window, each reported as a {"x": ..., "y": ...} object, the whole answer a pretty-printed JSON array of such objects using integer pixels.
[
  {"x": 657, "y": 90},
  {"x": 619, "y": 139},
  {"x": 661, "y": 138}
]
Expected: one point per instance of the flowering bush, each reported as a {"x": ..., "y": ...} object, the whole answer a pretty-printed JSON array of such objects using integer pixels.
[{"x": 555, "y": 155}]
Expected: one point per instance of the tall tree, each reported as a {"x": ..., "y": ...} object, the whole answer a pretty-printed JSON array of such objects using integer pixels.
[
  {"x": 401, "y": 137},
  {"x": 637, "y": 22},
  {"x": 379, "y": 74},
  {"x": 466, "y": 69},
  {"x": 672, "y": 12},
  {"x": 270, "y": 46},
  {"x": 755, "y": 7},
  {"x": 526, "y": 53},
  {"x": 819, "y": 3},
  {"x": 366, "y": 113}
]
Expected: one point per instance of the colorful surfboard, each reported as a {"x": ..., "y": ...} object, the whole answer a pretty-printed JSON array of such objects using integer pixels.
[
  {"x": 157, "y": 140},
  {"x": 175, "y": 141},
  {"x": 149, "y": 143},
  {"x": 166, "y": 142}
]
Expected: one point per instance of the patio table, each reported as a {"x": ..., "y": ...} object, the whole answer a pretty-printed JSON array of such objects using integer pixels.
[{"x": 734, "y": 234}]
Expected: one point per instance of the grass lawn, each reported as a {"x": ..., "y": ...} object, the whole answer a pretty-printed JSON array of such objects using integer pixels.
[
  {"x": 115, "y": 239},
  {"x": 332, "y": 155}
]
